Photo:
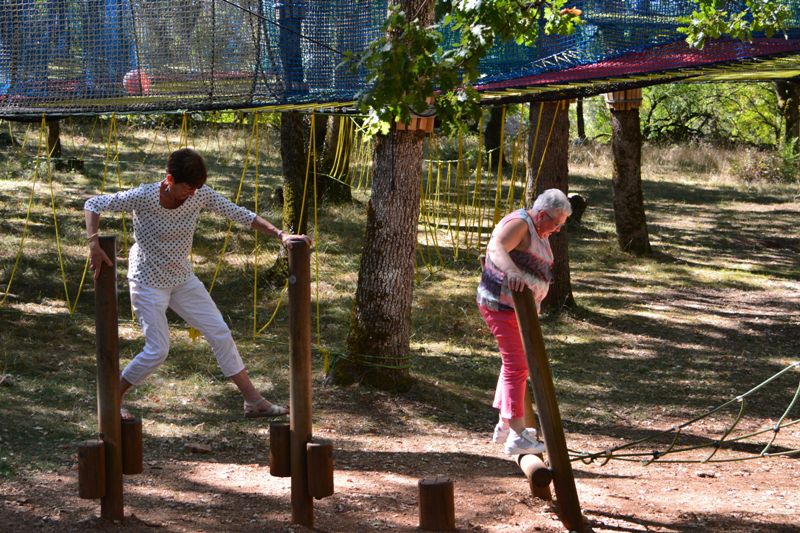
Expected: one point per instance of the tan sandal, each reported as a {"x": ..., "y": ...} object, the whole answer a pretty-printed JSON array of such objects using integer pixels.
[{"x": 263, "y": 409}]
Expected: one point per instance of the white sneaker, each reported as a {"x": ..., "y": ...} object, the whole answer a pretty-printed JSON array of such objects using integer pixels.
[
  {"x": 521, "y": 443},
  {"x": 500, "y": 433}
]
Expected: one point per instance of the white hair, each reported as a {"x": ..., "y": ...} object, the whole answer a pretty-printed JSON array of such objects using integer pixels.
[{"x": 552, "y": 202}]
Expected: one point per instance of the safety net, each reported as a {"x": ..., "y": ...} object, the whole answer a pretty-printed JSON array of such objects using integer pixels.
[{"x": 64, "y": 57}]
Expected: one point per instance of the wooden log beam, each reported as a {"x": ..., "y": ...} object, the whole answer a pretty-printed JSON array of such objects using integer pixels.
[
  {"x": 538, "y": 474},
  {"x": 531, "y": 421},
  {"x": 545, "y": 396}
]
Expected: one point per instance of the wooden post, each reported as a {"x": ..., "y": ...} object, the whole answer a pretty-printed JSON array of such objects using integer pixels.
[
  {"x": 132, "y": 453},
  {"x": 300, "y": 378},
  {"x": 279, "y": 462},
  {"x": 320, "y": 468},
  {"x": 107, "y": 333},
  {"x": 91, "y": 469},
  {"x": 549, "y": 415},
  {"x": 436, "y": 506},
  {"x": 531, "y": 421}
]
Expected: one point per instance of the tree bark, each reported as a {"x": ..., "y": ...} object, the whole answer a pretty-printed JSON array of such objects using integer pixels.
[
  {"x": 788, "y": 93},
  {"x": 53, "y": 137},
  {"x": 294, "y": 152},
  {"x": 626, "y": 145},
  {"x": 554, "y": 174},
  {"x": 579, "y": 122},
  {"x": 491, "y": 135},
  {"x": 294, "y": 159},
  {"x": 380, "y": 327}
]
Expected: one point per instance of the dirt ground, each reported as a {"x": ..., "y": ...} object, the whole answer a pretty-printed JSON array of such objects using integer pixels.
[{"x": 376, "y": 474}]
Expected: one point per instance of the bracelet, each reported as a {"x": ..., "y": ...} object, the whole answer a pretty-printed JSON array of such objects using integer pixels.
[{"x": 93, "y": 235}]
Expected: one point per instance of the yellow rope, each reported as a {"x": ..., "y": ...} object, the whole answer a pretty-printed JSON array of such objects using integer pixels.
[
  {"x": 302, "y": 211},
  {"x": 334, "y": 170},
  {"x": 193, "y": 333},
  {"x": 478, "y": 173},
  {"x": 245, "y": 164},
  {"x": 450, "y": 198},
  {"x": 184, "y": 140},
  {"x": 326, "y": 353},
  {"x": 55, "y": 221},
  {"x": 256, "y": 246},
  {"x": 119, "y": 183},
  {"x": 277, "y": 307},
  {"x": 459, "y": 182},
  {"x": 514, "y": 166},
  {"x": 546, "y": 143},
  {"x": 423, "y": 200},
  {"x": 27, "y": 220},
  {"x": 499, "y": 191}
]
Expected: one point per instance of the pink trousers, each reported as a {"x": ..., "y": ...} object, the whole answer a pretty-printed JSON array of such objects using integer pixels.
[{"x": 509, "y": 397}]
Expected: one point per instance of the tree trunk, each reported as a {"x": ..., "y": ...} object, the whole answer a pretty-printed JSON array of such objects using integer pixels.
[
  {"x": 380, "y": 327},
  {"x": 579, "y": 122},
  {"x": 554, "y": 174},
  {"x": 294, "y": 159},
  {"x": 788, "y": 93},
  {"x": 53, "y": 137},
  {"x": 491, "y": 135},
  {"x": 331, "y": 171},
  {"x": 626, "y": 144}
]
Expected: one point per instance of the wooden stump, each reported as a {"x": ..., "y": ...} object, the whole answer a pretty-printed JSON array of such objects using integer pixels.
[
  {"x": 132, "y": 453},
  {"x": 279, "y": 462},
  {"x": 436, "y": 505},
  {"x": 319, "y": 454},
  {"x": 91, "y": 469}
]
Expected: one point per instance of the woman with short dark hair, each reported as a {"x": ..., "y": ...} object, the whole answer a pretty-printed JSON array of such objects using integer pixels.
[{"x": 160, "y": 276}]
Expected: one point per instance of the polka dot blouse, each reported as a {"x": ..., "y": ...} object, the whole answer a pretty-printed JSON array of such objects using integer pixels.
[{"x": 160, "y": 257}]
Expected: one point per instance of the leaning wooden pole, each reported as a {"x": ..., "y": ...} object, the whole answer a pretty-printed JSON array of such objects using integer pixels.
[
  {"x": 545, "y": 396},
  {"x": 107, "y": 332},
  {"x": 300, "y": 379}
]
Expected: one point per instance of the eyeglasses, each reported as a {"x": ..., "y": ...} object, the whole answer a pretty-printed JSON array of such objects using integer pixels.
[{"x": 556, "y": 227}]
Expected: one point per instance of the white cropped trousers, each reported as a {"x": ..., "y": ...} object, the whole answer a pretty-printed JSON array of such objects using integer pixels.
[{"x": 191, "y": 302}]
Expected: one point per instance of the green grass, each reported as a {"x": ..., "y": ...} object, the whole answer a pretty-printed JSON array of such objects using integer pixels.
[{"x": 710, "y": 314}]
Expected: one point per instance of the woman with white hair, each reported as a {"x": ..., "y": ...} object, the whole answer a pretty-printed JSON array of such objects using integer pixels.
[{"x": 518, "y": 255}]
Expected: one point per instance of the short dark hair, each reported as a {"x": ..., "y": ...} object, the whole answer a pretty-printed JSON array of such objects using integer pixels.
[{"x": 187, "y": 166}]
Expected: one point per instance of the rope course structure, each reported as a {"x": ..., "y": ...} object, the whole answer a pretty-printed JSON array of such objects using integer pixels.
[
  {"x": 67, "y": 57},
  {"x": 631, "y": 451}
]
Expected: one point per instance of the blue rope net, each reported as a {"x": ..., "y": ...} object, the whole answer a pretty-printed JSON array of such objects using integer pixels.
[
  {"x": 65, "y": 57},
  {"x": 71, "y": 56}
]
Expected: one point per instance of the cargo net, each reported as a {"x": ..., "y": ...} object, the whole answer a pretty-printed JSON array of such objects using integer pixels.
[
  {"x": 64, "y": 57},
  {"x": 73, "y": 56}
]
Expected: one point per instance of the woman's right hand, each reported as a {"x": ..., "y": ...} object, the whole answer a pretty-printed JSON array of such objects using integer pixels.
[{"x": 97, "y": 257}]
